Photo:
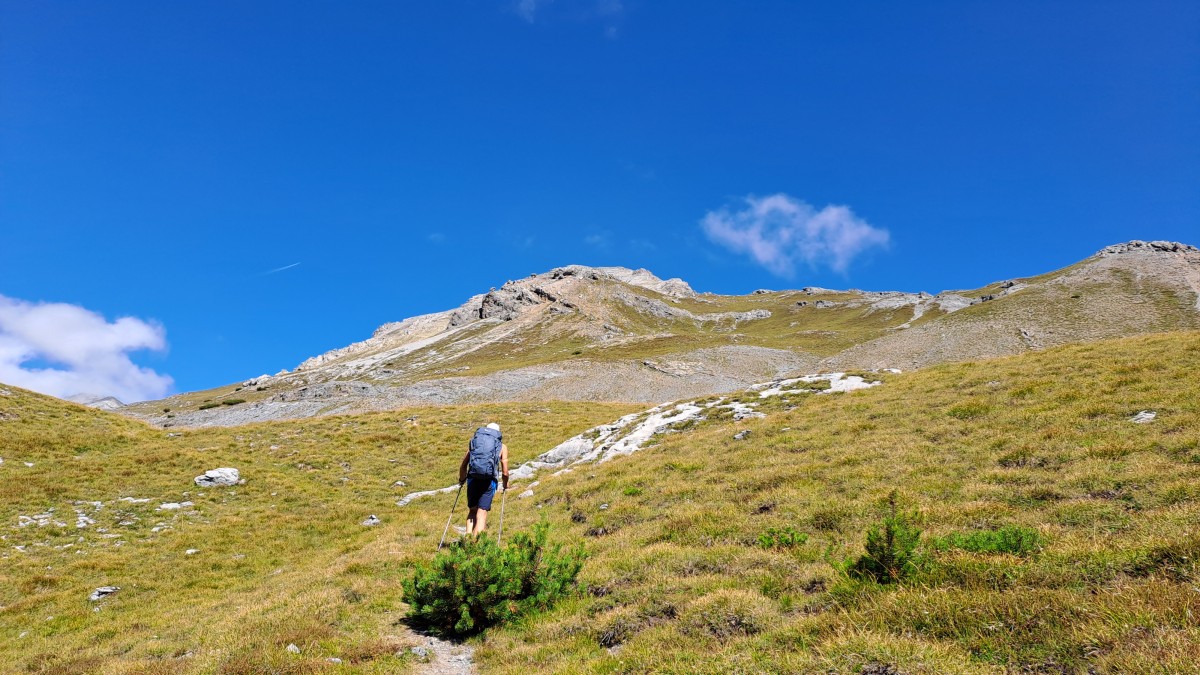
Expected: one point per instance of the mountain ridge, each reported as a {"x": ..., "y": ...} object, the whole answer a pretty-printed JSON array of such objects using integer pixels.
[{"x": 616, "y": 334}]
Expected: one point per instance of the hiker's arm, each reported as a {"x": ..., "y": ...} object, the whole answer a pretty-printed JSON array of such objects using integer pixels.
[
  {"x": 462, "y": 468},
  {"x": 504, "y": 464}
]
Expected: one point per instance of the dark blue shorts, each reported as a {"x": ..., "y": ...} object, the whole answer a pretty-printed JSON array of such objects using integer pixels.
[{"x": 480, "y": 492}]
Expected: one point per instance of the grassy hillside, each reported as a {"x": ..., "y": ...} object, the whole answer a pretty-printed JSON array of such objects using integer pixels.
[
  {"x": 282, "y": 559},
  {"x": 679, "y": 582},
  {"x": 678, "y": 579}
]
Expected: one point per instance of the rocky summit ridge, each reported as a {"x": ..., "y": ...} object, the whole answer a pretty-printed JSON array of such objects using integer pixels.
[{"x": 612, "y": 333}]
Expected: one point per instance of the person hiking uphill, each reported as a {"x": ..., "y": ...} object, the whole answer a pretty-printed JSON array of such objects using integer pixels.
[{"x": 486, "y": 458}]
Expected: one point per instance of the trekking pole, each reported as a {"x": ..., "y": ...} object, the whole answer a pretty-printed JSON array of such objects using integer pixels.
[
  {"x": 500, "y": 532},
  {"x": 452, "y": 510}
]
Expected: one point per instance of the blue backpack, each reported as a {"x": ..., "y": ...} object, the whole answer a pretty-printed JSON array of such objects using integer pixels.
[{"x": 484, "y": 458}]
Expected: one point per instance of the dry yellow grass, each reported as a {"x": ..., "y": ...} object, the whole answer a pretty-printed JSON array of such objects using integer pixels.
[
  {"x": 677, "y": 581},
  {"x": 281, "y": 560}
]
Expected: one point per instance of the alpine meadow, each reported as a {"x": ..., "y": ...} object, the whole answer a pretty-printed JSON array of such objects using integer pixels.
[
  {"x": 1030, "y": 512},
  {"x": 599, "y": 337}
]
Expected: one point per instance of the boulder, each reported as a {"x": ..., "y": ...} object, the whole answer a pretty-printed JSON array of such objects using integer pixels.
[
  {"x": 741, "y": 435},
  {"x": 1144, "y": 417},
  {"x": 103, "y": 592},
  {"x": 218, "y": 477}
]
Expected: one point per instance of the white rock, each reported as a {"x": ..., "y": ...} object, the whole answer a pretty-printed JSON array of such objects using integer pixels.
[
  {"x": 371, "y": 521},
  {"x": 1143, "y": 417},
  {"x": 133, "y": 500},
  {"x": 170, "y": 506},
  {"x": 293, "y": 649},
  {"x": 30, "y": 464},
  {"x": 191, "y": 551},
  {"x": 218, "y": 477},
  {"x": 334, "y": 660},
  {"x": 103, "y": 592},
  {"x": 526, "y": 494}
]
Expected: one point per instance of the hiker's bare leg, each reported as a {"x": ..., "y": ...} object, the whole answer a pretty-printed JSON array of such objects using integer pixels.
[
  {"x": 480, "y": 520},
  {"x": 471, "y": 515}
]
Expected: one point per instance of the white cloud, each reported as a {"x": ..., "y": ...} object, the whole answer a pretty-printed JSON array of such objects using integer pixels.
[
  {"x": 780, "y": 231},
  {"x": 63, "y": 350}
]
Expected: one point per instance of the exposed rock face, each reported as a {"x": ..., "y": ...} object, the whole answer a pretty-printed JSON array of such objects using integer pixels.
[
  {"x": 1138, "y": 246},
  {"x": 219, "y": 477},
  {"x": 507, "y": 302}
]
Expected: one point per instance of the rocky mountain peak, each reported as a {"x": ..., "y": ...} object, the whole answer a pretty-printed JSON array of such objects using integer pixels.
[
  {"x": 1139, "y": 246},
  {"x": 559, "y": 286}
]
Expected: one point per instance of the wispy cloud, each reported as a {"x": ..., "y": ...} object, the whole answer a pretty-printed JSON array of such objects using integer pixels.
[
  {"x": 527, "y": 9},
  {"x": 780, "y": 231},
  {"x": 608, "y": 12},
  {"x": 280, "y": 269},
  {"x": 64, "y": 350},
  {"x": 598, "y": 239}
]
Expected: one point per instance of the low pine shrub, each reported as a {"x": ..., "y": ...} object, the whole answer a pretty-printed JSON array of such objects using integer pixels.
[
  {"x": 891, "y": 545},
  {"x": 476, "y": 583},
  {"x": 1012, "y": 539},
  {"x": 208, "y": 406},
  {"x": 786, "y": 537},
  {"x": 233, "y": 401}
]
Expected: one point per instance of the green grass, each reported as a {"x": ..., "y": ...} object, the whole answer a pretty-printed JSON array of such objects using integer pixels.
[
  {"x": 1013, "y": 539},
  {"x": 677, "y": 579}
]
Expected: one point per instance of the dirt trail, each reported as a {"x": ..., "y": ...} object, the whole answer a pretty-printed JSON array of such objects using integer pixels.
[
  {"x": 436, "y": 656},
  {"x": 445, "y": 658}
]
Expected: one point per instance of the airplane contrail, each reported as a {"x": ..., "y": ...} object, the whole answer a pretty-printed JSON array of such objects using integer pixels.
[{"x": 279, "y": 269}]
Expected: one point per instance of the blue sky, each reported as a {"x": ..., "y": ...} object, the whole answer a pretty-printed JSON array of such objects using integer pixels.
[{"x": 259, "y": 182}]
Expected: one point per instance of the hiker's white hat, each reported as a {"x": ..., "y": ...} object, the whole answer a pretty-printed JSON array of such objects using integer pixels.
[{"x": 493, "y": 425}]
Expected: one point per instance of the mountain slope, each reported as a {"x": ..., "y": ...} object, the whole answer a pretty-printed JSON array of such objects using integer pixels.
[
  {"x": 580, "y": 333},
  {"x": 678, "y": 578}
]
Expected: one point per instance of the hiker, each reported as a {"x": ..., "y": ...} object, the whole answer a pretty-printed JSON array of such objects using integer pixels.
[{"x": 486, "y": 458}]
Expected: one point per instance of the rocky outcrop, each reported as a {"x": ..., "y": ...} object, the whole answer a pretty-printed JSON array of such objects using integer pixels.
[
  {"x": 1138, "y": 246},
  {"x": 507, "y": 302},
  {"x": 219, "y": 477}
]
